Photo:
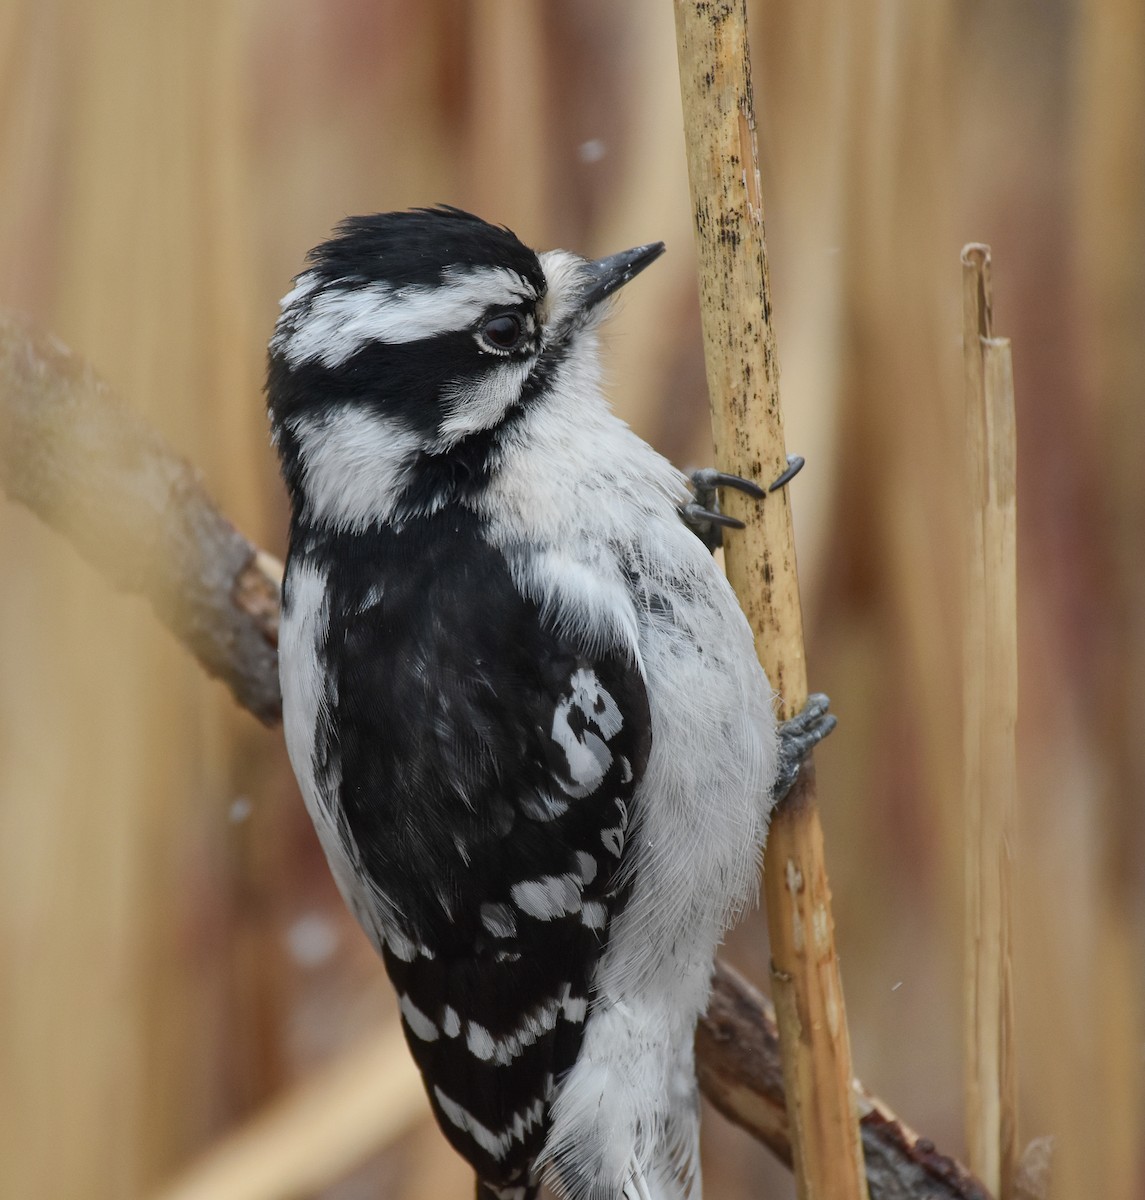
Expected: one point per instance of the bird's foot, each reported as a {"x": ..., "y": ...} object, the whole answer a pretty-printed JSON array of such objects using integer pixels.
[
  {"x": 797, "y": 738},
  {"x": 703, "y": 516}
]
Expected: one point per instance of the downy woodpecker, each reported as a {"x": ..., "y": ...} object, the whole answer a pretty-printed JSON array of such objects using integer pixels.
[{"x": 522, "y": 704}]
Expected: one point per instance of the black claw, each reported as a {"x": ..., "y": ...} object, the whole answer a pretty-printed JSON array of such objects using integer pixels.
[
  {"x": 697, "y": 514},
  {"x": 708, "y": 479},
  {"x": 703, "y": 514},
  {"x": 794, "y": 466}
]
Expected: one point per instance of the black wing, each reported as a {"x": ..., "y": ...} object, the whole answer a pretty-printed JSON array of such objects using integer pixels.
[{"x": 487, "y": 767}]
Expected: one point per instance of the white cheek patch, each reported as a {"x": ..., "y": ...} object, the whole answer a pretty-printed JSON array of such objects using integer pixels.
[
  {"x": 472, "y": 408},
  {"x": 355, "y": 465},
  {"x": 335, "y": 324}
]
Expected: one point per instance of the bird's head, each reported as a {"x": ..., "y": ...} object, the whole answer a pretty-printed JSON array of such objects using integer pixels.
[{"x": 411, "y": 346}]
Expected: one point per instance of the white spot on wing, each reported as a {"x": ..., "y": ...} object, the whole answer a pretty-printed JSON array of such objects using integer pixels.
[
  {"x": 371, "y": 599},
  {"x": 594, "y": 915},
  {"x": 421, "y": 1025},
  {"x": 402, "y": 947},
  {"x": 588, "y": 866},
  {"x": 499, "y": 920},
  {"x": 450, "y": 1022},
  {"x": 585, "y": 747},
  {"x": 479, "y": 1041},
  {"x": 497, "y": 1145},
  {"x": 542, "y": 806},
  {"x": 548, "y": 897},
  {"x": 504, "y": 1048},
  {"x": 506, "y": 1193},
  {"x": 574, "y": 1009}
]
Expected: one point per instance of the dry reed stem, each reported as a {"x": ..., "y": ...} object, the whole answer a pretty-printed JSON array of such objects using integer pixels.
[
  {"x": 737, "y": 1043},
  {"x": 990, "y": 714},
  {"x": 317, "y": 1133},
  {"x": 743, "y": 382}
]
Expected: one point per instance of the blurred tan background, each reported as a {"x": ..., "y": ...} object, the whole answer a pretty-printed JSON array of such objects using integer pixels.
[{"x": 172, "y": 953}]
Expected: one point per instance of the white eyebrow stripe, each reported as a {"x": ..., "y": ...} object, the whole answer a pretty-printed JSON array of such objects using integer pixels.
[{"x": 338, "y": 321}]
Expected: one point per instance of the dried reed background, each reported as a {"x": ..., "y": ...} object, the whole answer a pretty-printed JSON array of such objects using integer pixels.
[{"x": 173, "y": 952}]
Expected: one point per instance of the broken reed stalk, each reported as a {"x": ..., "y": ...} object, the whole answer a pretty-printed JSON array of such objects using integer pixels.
[
  {"x": 743, "y": 383},
  {"x": 990, "y": 714}
]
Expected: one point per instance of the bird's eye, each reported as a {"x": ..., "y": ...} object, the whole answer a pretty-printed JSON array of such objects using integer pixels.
[{"x": 504, "y": 332}]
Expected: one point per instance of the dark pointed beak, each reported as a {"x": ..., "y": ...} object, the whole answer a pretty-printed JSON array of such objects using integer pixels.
[{"x": 607, "y": 275}]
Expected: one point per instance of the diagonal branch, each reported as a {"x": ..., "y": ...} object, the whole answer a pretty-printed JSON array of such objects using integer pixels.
[
  {"x": 96, "y": 472},
  {"x": 99, "y": 475}
]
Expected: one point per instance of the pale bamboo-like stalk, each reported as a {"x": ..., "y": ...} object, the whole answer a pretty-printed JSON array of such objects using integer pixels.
[
  {"x": 743, "y": 383},
  {"x": 316, "y": 1133},
  {"x": 990, "y": 714}
]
